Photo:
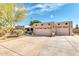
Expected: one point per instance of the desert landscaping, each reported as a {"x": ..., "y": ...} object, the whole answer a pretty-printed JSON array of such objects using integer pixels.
[{"x": 25, "y": 34}]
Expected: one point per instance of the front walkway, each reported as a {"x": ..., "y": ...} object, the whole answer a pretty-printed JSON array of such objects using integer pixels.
[{"x": 41, "y": 46}]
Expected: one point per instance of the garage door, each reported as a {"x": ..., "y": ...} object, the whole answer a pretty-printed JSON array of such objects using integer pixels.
[
  {"x": 62, "y": 31},
  {"x": 42, "y": 32}
]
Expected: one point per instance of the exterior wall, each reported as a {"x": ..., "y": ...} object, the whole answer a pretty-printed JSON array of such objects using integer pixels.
[
  {"x": 59, "y": 28},
  {"x": 76, "y": 30},
  {"x": 71, "y": 28},
  {"x": 53, "y": 27},
  {"x": 20, "y": 27}
]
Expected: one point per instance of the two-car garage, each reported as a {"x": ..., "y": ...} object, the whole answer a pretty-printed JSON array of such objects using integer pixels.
[{"x": 47, "y": 32}]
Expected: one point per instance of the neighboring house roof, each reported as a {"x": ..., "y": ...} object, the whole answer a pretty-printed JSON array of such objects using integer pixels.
[{"x": 26, "y": 26}]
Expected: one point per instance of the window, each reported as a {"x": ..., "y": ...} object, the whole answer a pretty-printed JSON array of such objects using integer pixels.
[
  {"x": 35, "y": 24},
  {"x": 32, "y": 29},
  {"x": 48, "y": 23},
  {"x": 66, "y": 23},
  {"x": 41, "y": 24},
  {"x": 27, "y": 29},
  {"x": 58, "y": 23}
]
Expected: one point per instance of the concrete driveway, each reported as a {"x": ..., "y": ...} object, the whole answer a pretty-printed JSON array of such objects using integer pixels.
[{"x": 40, "y": 46}]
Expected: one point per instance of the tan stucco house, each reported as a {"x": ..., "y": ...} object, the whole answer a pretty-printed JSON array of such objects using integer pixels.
[
  {"x": 76, "y": 30},
  {"x": 53, "y": 28}
]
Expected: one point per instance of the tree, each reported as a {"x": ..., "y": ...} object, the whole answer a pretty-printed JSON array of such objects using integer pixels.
[
  {"x": 8, "y": 15},
  {"x": 20, "y": 14},
  {"x": 76, "y": 26},
  {"x": 34, "y": 21}
]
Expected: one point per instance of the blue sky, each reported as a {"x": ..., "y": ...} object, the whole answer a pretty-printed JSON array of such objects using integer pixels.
[{"x": 51, "y": 12}]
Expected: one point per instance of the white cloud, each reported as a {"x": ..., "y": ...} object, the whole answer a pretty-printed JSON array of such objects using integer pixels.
[
  {"x": 38, "y": 6},
  {"x": 51, "y": 16},
  {"x": 45, "y": 7},
  {"x": 19, "y": 6}
]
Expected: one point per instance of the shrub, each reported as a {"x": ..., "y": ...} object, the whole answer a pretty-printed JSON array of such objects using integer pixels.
[
  {"x": 18, "y": 32},
  {"x": 7, "y": 29},
  {"x": 2, "y": 32}
]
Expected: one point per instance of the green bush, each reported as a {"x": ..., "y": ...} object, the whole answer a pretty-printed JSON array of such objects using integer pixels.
[{"x": 18, "y": 32}]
